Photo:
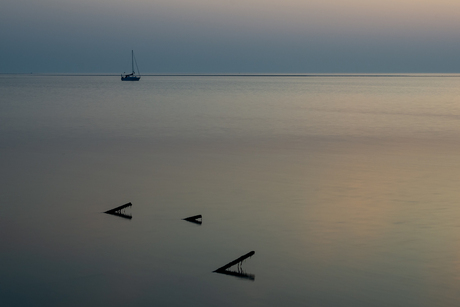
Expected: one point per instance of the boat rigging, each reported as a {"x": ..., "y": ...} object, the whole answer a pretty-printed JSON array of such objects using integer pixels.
[{"x": 132, "y": 76}]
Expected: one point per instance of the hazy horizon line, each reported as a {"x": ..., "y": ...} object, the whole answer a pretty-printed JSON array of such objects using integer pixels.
[{"x": 244, "y": 74}]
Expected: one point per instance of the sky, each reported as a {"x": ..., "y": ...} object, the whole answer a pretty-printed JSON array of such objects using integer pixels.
[{"x": 215, "y": 36}]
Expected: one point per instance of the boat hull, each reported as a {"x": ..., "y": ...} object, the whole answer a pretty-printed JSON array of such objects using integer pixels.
[{"x": 130, "y": 78}]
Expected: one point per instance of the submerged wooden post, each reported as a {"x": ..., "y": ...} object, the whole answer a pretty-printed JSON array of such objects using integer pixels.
[
  {"x": 240, "y": 273},
  {"x": 118, "y": 211},
  {"x": 236, "y": 261},
  {"x": 194, "y": 219}
]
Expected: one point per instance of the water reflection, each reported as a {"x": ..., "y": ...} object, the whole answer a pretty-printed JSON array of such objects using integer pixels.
[
  {"x": 240, "y": 274},
  {"x": 125, "y": 216}
]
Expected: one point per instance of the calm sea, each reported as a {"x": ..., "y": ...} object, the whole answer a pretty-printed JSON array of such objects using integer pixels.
[{"x": 346, "y": 187}]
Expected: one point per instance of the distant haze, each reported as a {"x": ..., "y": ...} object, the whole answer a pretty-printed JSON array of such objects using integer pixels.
[{"x": 212, "y": 36}]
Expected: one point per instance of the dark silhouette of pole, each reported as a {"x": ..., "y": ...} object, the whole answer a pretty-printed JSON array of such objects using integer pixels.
[
  {"x": 118, "y": 211},
  {"x": 236, "y": 261},
  {"x": 194, "y": 219}
]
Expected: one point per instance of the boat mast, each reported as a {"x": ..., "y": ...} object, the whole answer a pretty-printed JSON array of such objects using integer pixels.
[{"x": 132, "y": 60}]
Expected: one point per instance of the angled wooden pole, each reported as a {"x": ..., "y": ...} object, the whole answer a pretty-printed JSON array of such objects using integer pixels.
[
  {"x": 118, "y": 211},
  {"x": 194, "y": 219},
  {"x": 236, "y": 261}
]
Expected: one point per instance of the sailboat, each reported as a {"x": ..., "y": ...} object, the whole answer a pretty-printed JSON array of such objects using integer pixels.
[{"x": 132, "y": 76}]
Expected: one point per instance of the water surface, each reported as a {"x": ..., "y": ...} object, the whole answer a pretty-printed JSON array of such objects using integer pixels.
[{"x": 346, "y": 188}]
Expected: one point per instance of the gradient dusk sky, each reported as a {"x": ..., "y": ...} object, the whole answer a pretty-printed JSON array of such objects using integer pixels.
[{"x": 213, "y": 36}]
